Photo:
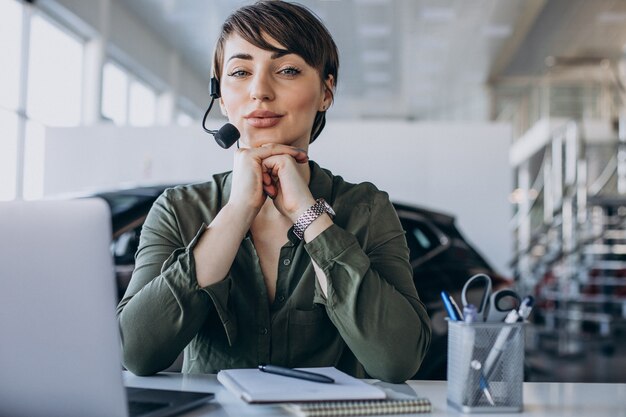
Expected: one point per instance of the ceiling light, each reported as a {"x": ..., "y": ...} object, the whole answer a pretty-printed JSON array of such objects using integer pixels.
[
  {"x": 497, "y": 31},
  {"x": 438, "y": 14}
]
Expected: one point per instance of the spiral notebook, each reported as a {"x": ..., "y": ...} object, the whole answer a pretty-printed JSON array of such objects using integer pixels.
[{"x": 360, "y": 408}]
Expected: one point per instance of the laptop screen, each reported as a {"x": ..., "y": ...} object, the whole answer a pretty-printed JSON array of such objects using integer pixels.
[{"x": 60, "y": 350}]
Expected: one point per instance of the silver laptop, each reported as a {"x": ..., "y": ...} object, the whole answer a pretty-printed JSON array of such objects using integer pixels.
[{"x": 59, "y": 341}]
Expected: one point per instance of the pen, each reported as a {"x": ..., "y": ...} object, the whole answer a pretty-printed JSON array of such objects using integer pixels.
[
  {"x": 483, "y": 384},
  {"x": 294, "y": 373},
  {"x": 459, "y": 314},
  {"x": 498, "y": 345},
  {"x": 447, "y": 303}
]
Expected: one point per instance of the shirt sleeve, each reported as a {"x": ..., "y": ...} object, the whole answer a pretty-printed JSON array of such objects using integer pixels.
[
  {"x": 371, "y": 297},
  {"x": 163, "y": 307}
]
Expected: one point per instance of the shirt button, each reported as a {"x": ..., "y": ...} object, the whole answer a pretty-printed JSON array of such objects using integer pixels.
[
  {"x": 286, "y": 261},
  {"x": 263, "y": 330},
  {"x": 281, "y": 298}
]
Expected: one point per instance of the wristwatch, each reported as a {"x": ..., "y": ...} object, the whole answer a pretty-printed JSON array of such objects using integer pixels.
[{"x": 320, "y": 207}]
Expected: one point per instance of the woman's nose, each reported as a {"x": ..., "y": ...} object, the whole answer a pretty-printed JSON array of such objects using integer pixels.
[{"x": 261, "y": 88}]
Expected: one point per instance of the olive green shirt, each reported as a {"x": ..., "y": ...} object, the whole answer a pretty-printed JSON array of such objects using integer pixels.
[{"x": 372, "y": 322}]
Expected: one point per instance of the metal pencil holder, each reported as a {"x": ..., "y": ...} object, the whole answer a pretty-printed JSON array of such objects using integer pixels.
[{"x": 485, "y": 366}]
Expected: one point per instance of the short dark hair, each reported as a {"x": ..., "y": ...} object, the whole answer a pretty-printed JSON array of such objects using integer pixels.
[{"x": 293, "y": 26}]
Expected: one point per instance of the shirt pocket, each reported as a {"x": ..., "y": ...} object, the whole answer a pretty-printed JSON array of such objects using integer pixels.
[{"x": 312, "y": 338}]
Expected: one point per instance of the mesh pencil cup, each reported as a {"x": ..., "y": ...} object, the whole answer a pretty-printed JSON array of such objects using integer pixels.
[{"x": 485, "y": 366}]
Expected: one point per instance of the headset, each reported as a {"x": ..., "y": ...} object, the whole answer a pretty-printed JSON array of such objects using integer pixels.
[{"x": 228, "y": 134}]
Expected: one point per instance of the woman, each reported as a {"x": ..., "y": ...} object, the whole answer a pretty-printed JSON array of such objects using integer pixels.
[{"x": 255, "y": 267}]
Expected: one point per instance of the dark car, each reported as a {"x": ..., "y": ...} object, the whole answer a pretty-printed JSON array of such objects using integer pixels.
[{"x": 440, "y": 256}]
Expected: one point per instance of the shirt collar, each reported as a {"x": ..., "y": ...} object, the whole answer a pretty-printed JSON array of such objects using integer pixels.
[{"x": 321, "y": 182}]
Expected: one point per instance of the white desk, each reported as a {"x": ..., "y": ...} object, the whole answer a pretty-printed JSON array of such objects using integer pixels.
[{"x": 540, "y": 399}]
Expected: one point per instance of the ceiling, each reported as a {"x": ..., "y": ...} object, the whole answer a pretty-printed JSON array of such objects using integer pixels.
[{"x": 418, "y": 59}]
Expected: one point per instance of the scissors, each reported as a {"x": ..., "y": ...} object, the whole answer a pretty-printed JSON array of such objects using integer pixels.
[{"x": 493, "y": 306}]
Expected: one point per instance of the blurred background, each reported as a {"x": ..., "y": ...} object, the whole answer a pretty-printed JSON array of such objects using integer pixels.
[{"x": 507, "y": 116}]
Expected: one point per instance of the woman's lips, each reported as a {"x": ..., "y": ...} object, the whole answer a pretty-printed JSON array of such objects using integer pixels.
[{"x": 262, "y": 118}]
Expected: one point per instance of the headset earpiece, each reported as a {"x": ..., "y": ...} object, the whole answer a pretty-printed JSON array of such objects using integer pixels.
[{"x": 214, "y": 88}]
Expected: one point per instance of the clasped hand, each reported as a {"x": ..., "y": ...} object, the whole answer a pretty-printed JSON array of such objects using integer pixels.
[{"x": 272, "y": 170}]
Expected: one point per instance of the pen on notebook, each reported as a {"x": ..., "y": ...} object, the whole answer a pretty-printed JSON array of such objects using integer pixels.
[
  {"x": 447, "y": 303},
  {"x": 295, "y": 373}
]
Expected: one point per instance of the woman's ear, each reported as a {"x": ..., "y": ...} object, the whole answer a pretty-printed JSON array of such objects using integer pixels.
[{"x": 329, "y": 88}]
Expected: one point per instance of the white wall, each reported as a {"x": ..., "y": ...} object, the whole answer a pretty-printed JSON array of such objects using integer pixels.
[
  {"x": 461, "y": 169},
  {"x": 458, "y": 168}
]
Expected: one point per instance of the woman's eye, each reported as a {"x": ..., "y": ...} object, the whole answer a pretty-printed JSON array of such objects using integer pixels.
[
  {"x": 238, "y": 73},
  {"x": 291, "y": 71}
]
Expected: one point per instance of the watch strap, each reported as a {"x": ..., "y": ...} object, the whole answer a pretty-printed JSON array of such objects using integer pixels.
[{"x": 310, "y": 215}]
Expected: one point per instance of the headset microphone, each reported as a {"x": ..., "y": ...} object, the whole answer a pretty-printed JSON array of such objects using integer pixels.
[{"x": 228, "y": 134}]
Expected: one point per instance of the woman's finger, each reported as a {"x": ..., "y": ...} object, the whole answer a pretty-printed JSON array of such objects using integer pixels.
[
  {"x": 270, "y": 190},
  {"x": 272, "y": 149}
]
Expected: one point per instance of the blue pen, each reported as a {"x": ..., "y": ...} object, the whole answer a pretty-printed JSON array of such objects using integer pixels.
[{"x": 447, "y": 303}]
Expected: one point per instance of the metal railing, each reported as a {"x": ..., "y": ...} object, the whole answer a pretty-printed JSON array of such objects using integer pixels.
[{"x": 569, "y": 225}]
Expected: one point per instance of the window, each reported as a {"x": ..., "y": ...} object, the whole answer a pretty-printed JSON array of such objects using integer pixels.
[
  {"x": 141, "y": 104},
  {"x": 114, "y": 94},
  {"x": 126, "y": 99},
  {"x": 54, "y": 74}
]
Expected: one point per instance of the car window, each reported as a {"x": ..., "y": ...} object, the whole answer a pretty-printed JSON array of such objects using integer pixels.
[
  {"x": 421, "y": 239},
  {"x": 125, "y": 245}
]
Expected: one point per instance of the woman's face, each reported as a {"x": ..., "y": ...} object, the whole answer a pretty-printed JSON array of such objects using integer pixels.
[{"x": 269, "y": 97}]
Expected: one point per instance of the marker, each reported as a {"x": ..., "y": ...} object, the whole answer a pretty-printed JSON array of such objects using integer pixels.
[
  {"x": 526, "y": 307},
  {"x": 469, "y": 313},
  {"x": 294, "y": 373}
]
